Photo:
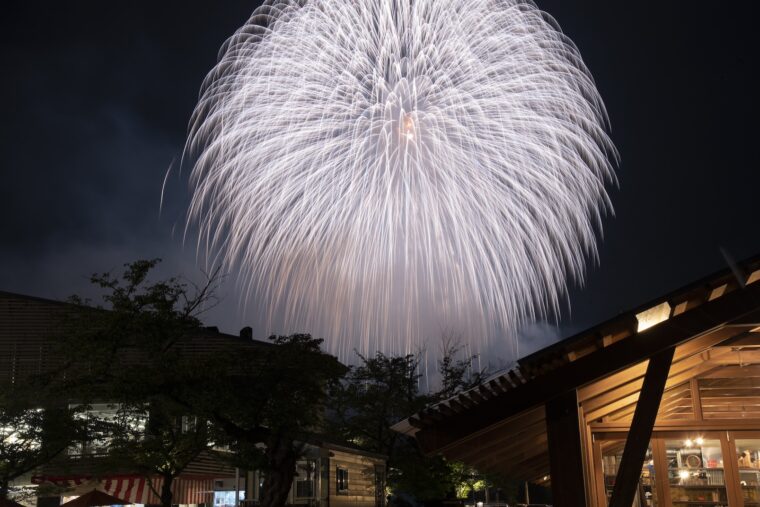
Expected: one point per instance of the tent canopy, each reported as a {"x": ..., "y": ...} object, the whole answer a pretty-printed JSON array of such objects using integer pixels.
[
  {"x": 95, "y": 498},
  {"x": 7, "y": 502}
]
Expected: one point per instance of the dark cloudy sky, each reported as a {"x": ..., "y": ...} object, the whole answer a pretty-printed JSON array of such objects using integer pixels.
[{"x": 97, "y": 95}]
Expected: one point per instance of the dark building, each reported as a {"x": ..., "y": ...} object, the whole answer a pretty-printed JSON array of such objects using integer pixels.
[{"x": 328, "y": 474}]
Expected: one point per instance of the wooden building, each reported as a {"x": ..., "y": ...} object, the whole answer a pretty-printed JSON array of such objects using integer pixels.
[
  {"x": 354, "y": 478},
  {"x": 659, "y": 406},
  {"x": 332, "y": 475}
]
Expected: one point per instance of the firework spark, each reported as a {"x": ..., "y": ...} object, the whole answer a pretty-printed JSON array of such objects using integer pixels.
[{"x": 377, "y": 170}]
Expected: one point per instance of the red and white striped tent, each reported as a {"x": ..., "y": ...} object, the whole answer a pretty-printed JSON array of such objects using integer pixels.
[{"x": 137, "y": 489}]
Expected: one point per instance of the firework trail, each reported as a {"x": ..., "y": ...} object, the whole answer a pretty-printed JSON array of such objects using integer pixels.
[{"x": 379, "y": 170}]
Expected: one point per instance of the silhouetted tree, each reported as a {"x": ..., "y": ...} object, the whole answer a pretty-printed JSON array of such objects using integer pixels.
[
  {"x": 457, "y": 373},
  {"x": 384, "y": 389},
  {"x": 271, "y": 403},
  {"x": 127, "y": 352},
  {"x": 33, "y": 430}
]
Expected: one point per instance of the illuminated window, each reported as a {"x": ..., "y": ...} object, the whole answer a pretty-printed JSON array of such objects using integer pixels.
[
  {"x": 341, "y": 480},
  {"x": 695, "y": 472},
  {"x": 189, "y": 424},
  {"x": 748, "y": 453}
]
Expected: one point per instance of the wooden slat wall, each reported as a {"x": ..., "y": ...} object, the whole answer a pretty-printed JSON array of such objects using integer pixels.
[
  {"x": 361, "y": 479},
  {"x": 29, "y": 327},
  {"x": 210, "y": 464},
  {"x": 731, "y": 397},
  {"x": 676, "y": 404},
  {"x": 26, "y": 325}
]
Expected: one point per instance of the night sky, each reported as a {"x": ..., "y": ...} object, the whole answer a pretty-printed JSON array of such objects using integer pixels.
[{"x": 97, "y": 96}]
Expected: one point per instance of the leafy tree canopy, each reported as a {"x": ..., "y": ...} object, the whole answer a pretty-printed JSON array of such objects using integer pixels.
[
  {"x": 264, "y": 400},
  {"x": 382, "y": 390}
]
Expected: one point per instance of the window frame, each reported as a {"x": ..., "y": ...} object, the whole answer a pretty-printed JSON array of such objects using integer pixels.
[
  {"x": 657, "y": 442},
  {"x": 341, "y": 483}
]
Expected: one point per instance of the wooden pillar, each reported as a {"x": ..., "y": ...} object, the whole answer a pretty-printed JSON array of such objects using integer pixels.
[
  {"x": 565, "y": 451},
  {"x": 250, "y": 485},
  {"x": 640, "y": 433}
]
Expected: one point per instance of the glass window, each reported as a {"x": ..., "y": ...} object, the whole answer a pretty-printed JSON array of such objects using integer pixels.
[
  {"x": 612, "y": 453},
  {"x": 695, "y": 472},
  {"x": 305, "y": 479},
  {"x": 748, "y": 452},
  {"x": 189, "y": 424},
  {"x": 304, "y": 488},
  {"x": 341, "y": 477},
  {"x": 22, "y": 428},
  {"x": 99, "y": 417},
  {"x": 226, "y": 498}
]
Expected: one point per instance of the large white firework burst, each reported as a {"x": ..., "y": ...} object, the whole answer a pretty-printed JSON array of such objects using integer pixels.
[{"x": 378, "y": 171}]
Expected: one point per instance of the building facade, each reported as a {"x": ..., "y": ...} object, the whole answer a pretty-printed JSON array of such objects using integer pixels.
[{"x": 332, "y": 475}]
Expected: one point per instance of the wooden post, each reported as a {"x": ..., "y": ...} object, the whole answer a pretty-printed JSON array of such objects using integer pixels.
[
  {"x": 237, "y": 487},
  {"x": 640, "y": 433},
  {"x": 565, "y": 451}
]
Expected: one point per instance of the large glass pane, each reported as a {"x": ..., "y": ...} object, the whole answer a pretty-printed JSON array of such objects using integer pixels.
[
  {"x": 695, "y": 472},
  {"x": 612, "y": 453},
  {"x": 748, "y": 451}
]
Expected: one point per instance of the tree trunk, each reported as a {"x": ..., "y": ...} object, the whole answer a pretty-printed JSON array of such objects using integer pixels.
[
  {"x": 281, "y": 461},
  {"x": 4, "y": 488},
  {"x": 166, "y": 491}
]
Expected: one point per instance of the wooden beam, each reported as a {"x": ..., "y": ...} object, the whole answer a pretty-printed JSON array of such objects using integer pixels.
[
  {"x": 499, "y": 435},
  {"x": 529, "y": 444},
  {"x": 496, "y": 387},
  {"x": 696, "y": 398},
  {"x": 641, "y": 429},
  {"x": 444, "y": 409},
  {"x": 660, "y": 459},
  {"x": 731, "y": 371},
  {"x": 528, "y": 468},
  {"x": 498, "y": 445},
  {"x": 620, "y": 427},
  {"x": 565, "y": 450},
  {"x": 512, "y": 465},
  {"x": 680, "y": 372},
  {"x": 456, "y": 406},
  {"x": 631, "y": 399},
  {"x": 508, "y": 427},
  {"x": 686, "y": 353}
]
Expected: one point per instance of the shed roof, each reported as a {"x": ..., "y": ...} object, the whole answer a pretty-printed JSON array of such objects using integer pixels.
[{"x": 500, "y": 424}]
